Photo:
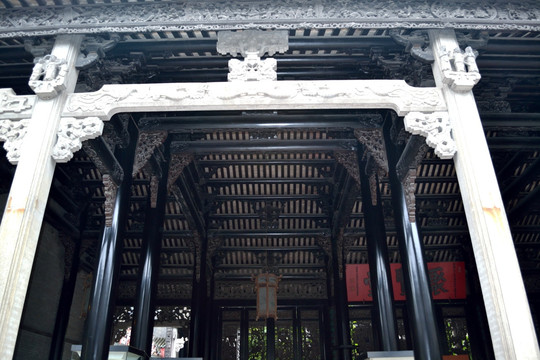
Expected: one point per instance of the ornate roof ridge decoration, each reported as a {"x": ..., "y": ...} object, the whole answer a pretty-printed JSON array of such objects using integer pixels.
[{"x": 279, "y": 14}]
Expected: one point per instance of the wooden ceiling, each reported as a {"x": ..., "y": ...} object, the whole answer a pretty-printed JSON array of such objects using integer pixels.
[{"x": 268, "y": 188}]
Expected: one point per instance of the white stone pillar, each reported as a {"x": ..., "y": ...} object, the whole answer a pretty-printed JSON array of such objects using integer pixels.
[
  {"x": 23, "y": 216},
  {"x": 510, "y": 322}
]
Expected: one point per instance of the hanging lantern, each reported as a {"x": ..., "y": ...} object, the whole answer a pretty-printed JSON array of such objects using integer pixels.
[{"x": 266, "y": 286}]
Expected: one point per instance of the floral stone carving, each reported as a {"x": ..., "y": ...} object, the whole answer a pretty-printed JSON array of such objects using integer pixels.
[
  {"x": 435, "y": 127},
  {"x": 71, "y": 133},
  {"x": 13, "y": 133}
]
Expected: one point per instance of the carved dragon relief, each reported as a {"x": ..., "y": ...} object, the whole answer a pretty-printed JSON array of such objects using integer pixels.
[
  {"x": 71, "y": 133},
  {"x": 248, "y": 95},
  {"x": 13, "y": 133}
]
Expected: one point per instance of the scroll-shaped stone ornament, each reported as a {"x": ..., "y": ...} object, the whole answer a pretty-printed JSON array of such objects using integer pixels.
[
  {"x": 48, "y": 76},
  {"x": 71, "y": 133},
  {"x": 13, "y": 133},
  {"x": 435, "y": 127},
  {"x": 11, "y": 103},
  {"x": 459, "y": 69}
]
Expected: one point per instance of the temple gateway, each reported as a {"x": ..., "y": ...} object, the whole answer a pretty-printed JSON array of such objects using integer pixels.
[{"x": 285, "y": 180}]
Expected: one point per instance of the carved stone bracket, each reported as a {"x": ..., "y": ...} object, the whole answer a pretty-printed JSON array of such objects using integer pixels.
[
  {"x": 373, "y": 141},
  {"x": 177, "y": 164},
  {"x": 48, "y": 76},
  {"x": 349, "y": 160},
  {"x": 252, "y": 44},
  {"x": 459, "y": 69},
  {"x": 252, "y": 69},
  {"x": 71, "y": 133},
  {"x": 13, "y": 133},
  {"x": 436, "y": 128},
  {"x": 146, "y": 145},
  {"x": 109, "y": 190}
]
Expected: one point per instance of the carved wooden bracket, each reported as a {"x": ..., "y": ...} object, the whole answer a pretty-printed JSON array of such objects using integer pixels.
[
  {"x": 409, "y": 182},
  {"x": 177, "y": 164},
  {"x": 349, "y": 160},
  {"x": 71, "y": 133},
  {"x": 373, "y": 141},
  {"x": 109, "y": 190},
  {"x": 436, "y": 128},
  {"x": 154, "y": 187},
  {"x": 13, "y": 133},
  {"x": 147, "y": 143}
]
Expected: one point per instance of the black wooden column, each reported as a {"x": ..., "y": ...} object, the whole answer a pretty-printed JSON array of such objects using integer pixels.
[
  {"x": 143, "y": 320},
  {"x": 66, "y": 299},
  {"x": 199, "y": 305},
  {"x": 417, "y": 285},
  {"x": 271, "y": 339},
  {"x": 341, "y": 306},
  {"x": 379, "y": 266},
  {"x": 99, "y": 320}
]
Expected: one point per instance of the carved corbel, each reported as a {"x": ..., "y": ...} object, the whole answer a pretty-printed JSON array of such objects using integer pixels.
[
  {"x": 373, "y": 141},
  {"x": 48, "y": 76},
  {"x": 71, "y": 133},
  {"x": 408, "y": 180},
  {"x": 177, "y": 164},
  {"x": 154, "y": 186},
  {"x": 459, "y": 69},
  {"x": 109, "y": 190},
  {"x": 214, "y": 243},
  {"x": 349, "y": 160},
  {"x": 436, "y": 128},
  {"x": 146, "y": 145},
  {"x": 252, "y": 44},
  {"x": 13, "y": 133}
]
